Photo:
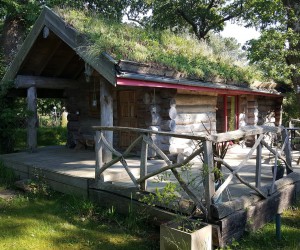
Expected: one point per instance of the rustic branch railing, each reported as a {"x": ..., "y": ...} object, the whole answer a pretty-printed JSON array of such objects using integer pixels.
[{"x": 145, "y": 142}]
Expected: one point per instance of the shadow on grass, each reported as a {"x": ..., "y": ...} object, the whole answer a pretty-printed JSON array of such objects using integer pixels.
[{"x": 59, "y": 223}]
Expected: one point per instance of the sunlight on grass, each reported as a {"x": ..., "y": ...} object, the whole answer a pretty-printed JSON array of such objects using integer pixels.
[{"x": 56, "y": 223}]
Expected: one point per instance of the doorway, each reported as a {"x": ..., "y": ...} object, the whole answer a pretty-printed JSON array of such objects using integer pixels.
[
  {"x": 227, "y": 113},
  {"x": 127, "y": 116}
]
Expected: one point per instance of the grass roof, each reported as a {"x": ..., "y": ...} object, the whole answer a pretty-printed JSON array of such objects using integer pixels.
[{"x": 183, "y": 53}]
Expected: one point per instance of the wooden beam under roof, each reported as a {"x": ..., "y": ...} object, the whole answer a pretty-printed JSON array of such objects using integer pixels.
[{"x": 22, "y": 81}]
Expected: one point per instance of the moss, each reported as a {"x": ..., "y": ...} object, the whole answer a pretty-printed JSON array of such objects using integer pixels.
[{"x": 183, "y": 53}]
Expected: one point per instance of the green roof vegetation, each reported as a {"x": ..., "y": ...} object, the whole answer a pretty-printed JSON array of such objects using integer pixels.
[{"x": 181, "y": 52}]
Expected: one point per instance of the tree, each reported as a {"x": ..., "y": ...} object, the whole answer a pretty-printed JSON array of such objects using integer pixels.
[
  {"x": 198, "y": 16},
  {"x": 278, "y": 48}
]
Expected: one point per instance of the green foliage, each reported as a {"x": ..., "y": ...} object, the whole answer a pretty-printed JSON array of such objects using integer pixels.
[
  {"x": 277, "y": 51},
  {"x": 269, "y": 52},
  {"x": 46, "y": 136},
  {"x": 13, "y": 113},
  {"x": 198, "y": 17},
  {"x": 37, "y": 187},
  {"x": 183, "y": 53},
  {"x": 290, "y": 108},
  {"x": 7, "y": 176}
]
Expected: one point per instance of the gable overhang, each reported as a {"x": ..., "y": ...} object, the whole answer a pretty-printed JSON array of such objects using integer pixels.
[
  {"x": 163, "y": 82},
  {"x": 102, "y": 64}
]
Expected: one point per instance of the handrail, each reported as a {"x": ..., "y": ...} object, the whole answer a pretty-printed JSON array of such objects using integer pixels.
[{"x": 145, "y": 141}]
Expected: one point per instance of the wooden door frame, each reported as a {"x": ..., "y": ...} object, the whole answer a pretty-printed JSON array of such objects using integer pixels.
[{"x": 226, "y": 113}]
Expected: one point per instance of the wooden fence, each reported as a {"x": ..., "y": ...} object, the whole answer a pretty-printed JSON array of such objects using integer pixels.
[{"x": 209, "y": 159}]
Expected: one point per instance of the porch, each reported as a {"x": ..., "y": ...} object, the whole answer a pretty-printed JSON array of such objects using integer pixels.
[
  {"x": 75, "y": 169},
  {"x": 119, "y": 183}
]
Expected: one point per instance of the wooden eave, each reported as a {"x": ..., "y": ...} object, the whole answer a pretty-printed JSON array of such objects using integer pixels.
[
  {"x": 103, "y": 64},
  {"x": 142, "y": 80}
]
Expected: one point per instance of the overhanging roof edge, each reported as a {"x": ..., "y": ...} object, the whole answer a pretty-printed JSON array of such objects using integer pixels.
[{"x": 159, "y": 81}]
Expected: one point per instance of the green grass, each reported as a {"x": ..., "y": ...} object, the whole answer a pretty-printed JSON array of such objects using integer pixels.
[
  {"x": 46, "y": 136},
  {"x": 265, "y": 238},
  {"x": 180, "y": 52},
  {"x": 66, "y": 222}
]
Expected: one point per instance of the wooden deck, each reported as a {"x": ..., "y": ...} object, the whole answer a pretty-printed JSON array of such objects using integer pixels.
[
  {"x": 73, "y": 171},
  {"x": 64, "y": 167}
]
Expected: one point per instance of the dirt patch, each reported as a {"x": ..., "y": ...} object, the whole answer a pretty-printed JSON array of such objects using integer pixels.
[{"x": 8, "y": 194}]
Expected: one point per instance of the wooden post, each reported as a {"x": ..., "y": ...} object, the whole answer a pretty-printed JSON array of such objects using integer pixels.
[
  {"x": 225, "y": 113},
  {"x": 99, "y": 158},
  {"x": 209, "y": 184},
  {"x": 32, "y": 120},
  {"x": 143, "y": 167},
  {"x": 258, "y": 165},
  {"x": 287, "y": 150},
  {"x": 106, "y": 104}
]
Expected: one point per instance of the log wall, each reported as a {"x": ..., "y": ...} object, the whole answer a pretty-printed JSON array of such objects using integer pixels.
[{"x": 269, "y": 111}]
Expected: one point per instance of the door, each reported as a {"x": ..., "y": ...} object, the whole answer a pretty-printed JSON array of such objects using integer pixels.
[
  {"x": 127, "y": 116},
  {"x": 227, "y": 113}
]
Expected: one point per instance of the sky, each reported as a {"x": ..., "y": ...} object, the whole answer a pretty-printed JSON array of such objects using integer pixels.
[{"x": 239, "y": 32}]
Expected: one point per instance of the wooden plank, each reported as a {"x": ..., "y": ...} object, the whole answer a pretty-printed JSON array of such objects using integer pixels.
[
  {"x": 208, "y": 175},
  {"x": 287, "y": 150},
  {"x": 140, "y": 130},
  {"x": 32, "y": 119},
  {"x": 243, "y": 132},
  {"x": 99, "y": 158},
  {"x": 258, "y": 166},
  {"x": 224, "y": 209},
  {"x": 264, "y": 211},
  {"x": 184, "y": 119},
  {"x": 122, "y": 204},
  {"x": 143, "y": 165},
  {"x": 191, "y": 100},
  {"x": 106, "y": 104},
  {"x": 23, "y": 81},
  {"x": 195, "y": 109}
]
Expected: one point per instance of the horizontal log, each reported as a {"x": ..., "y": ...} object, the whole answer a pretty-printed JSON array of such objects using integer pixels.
[
  {"x": 224, "y": 209},
  {"x": 193, "y": 92},
  {"x": 197, "y": 127},
  {"x": 195, "y": 109},
  {"x": 173, "y": 140},
  {"x": 170, "y": 113},
  {"x": 183, "y": 119},
  {"x": 189, "y": 100},
  {"x": 147, "y": 131},
  {"x": 168, "y": 125},
  {"x": 45, "y": 82},
  {"x": 243, "y": 132}
]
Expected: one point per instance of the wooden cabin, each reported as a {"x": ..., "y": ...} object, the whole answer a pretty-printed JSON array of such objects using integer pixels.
[{"x": 52, "y": 62}]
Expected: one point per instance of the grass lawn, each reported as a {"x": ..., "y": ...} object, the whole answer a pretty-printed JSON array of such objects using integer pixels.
[
  {"x": 266, "y": 237},
  {"x": 65, "y": 222}
]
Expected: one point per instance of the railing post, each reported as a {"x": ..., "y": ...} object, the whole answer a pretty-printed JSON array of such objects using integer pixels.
[
  {"x": 208, "y": 175},
  {"x": 143, "y": 166},
  {"x": 99, "y": 158},
  {"x": 287, "y": 149},
  {"x": 258, "y": 165}
]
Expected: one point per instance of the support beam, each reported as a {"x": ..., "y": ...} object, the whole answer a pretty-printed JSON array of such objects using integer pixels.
[
  {"x": 208, "y": 175},
  {"x": 106, "y": 104},
  {"x": 44, "y": 82},
  {"x": 32, "y": 120}
]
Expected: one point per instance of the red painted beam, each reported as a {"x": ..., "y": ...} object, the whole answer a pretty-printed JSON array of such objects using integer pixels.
[{"x": 142, "y": 83}]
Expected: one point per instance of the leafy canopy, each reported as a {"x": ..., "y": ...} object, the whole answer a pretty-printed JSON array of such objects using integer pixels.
[{"x": 197, "y": 16}]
